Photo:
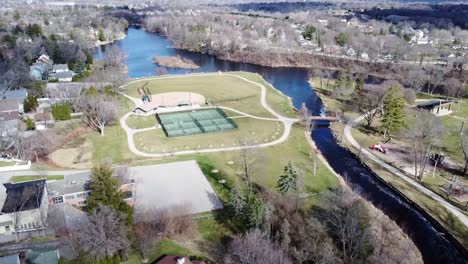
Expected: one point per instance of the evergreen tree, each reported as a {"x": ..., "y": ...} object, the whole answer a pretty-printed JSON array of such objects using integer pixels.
[
  {"x": 393, "y": 111},
  {"x": 61, "y": 111},
  {"x": 30, "y": 124},
  {"x": 289, "y": 181},
  {"x": 30, "y": 103},
  {"x": 237, "y": 201},
  {"x": 105, "y": 191},
  {"x": 101, "y": 35}
]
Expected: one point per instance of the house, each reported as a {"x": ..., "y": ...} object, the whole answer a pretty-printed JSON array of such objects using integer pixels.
[
  {"x": 11, "y": 103},
  {"x": 76, "y": 188},
  {"x": 324, "y": 22},
  {"x": 43, "y": 257},
  {"x": 10, "y": 259},
  {"x": 178, "y": 260},
  {"x": 437, "y": 107},
  {"x": 61, "y": 73},
  {"x": 66, "y": 76},
  {"x": 60, "y": 68},
  {"x": 43, "y": 120},
  {"x": 23, "y": 206},
  {"x": 40, "y": 69}
]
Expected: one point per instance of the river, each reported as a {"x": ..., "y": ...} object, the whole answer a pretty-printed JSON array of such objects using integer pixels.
[{"x": 431, "y": 240}]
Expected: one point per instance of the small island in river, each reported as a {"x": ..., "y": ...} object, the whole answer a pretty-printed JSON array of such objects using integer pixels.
[{"x": 175, "y": 62}]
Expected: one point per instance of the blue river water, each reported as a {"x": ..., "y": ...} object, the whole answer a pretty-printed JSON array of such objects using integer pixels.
[{"x": 435, "y": 245}]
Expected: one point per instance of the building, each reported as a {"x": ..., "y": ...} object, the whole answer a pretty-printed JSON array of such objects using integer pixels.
[
  {"x": 60, "y": 68},
  {"x": 10, "y": 259},
  {"x": 24, "y": 206},
  {"x": 62, "y": 76},
  {"x": 61, "y": 73},
  {"x": 43, "y": 120},
  {"x": 178, "y": 260},
  {"x": 76, "y": 188},
  {"x": 43, "y": 257},
  {"x": 437, "y": 107},
  {"x": 40, "y": 69}
]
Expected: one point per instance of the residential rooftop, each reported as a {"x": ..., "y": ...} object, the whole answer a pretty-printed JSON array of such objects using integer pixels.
[{"x": 23, "y": 196}]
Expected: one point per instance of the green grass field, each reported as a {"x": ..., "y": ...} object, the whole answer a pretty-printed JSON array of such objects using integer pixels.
[
  {"x": 250, "y": 131},
  {"x": 139, "y": 122},
  {"x": 217, "y": 89},
  {"x": 22, "y": 178}
]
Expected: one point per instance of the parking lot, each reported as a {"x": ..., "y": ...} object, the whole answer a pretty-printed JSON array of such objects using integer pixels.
[{"x": 173, "y": 184}]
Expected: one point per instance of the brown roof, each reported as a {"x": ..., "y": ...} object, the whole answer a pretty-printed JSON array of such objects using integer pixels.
[
  {"x": 43, "y": 116},
  {"x": 173, "y": 260}
]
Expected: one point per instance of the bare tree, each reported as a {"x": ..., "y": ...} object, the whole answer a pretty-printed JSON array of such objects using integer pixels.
[
  {"x": 425, "y": 135},
  {"x": 255, "y": 248},
  {"x": 152, "y": 225},
  {"x": 105, "y": 235},
  {"x": 453, "y": 88},
  {"x": 20, "y": 201},
  {"x": 114, "y": 57},
  {"x": 346, "y": 216},
  {"x": 250, "y": 162},
  {"x": 435, "y": 75},
  {"x": 317, "y": 246},
  {"x": 98, "y": 111},
  {"x": 370, "y": 102},
  {"x": 464, "y": 147}
]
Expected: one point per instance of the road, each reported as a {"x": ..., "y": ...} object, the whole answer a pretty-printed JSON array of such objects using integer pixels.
[
  {"x": 454, "y": 210},
  {"x": 287, "y": 122}
]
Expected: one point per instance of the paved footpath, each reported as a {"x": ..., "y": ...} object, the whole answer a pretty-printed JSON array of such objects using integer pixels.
[
  {"x": 451, "y": 208},
  {"x": 287, "y": 122}
]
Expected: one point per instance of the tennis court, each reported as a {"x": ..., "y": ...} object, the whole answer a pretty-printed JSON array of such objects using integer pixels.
[{"x": 195, "y": 122}]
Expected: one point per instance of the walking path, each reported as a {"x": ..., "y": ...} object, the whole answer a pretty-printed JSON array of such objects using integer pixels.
[
  {"x": 287, "y": 122},
  {"x": 454, "y": 210}
]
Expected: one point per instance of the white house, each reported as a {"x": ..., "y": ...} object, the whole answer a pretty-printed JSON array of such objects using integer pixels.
[{"x": 23, "y": 206}]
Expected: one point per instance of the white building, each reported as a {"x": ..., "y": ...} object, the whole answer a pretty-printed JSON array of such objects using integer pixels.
[{"x": 23, "y": 206}]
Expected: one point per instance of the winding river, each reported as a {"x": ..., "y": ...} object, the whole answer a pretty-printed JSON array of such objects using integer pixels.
[{"x": 435, "y": 245}]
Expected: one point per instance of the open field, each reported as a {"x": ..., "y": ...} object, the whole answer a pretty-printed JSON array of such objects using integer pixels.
[
  {"x": 250, "y": 131},
  {"x": 221, "y": 90},
  {"x": 22, "y": 178},
  {"x": 366, "y": 138},
  {"x": 139, "y": 122}
]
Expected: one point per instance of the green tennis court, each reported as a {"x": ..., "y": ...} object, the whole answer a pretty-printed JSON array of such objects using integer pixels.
[{"x": 195, "y": 122}]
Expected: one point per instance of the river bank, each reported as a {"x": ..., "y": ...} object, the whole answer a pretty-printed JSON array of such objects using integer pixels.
[
  {"x": 293, "y": 82},
  {"x": 434, "y": 212},
  {"x": 103, "y": 43}
]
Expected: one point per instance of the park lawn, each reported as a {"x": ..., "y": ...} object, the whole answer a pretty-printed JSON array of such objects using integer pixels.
[
  {"x": 250, "y": 131},
  {"x": 23, "y": 178},
  {"x": 112, "y": 146},
  {"x": 275, "y": 98},
  {"x": 139, "y": 122},
  {"x": 274, "y": 159},
  {"x": 222, "y": 90},
  {"x": 6, "y": 163}
]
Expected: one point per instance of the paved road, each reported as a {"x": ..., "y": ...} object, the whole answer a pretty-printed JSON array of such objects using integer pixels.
[
  {"x": 287, "y": 122},
  {"x": 454, "y": 210}
]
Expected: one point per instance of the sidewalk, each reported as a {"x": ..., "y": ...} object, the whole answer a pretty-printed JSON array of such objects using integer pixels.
[{"x": 454, "y": 210}]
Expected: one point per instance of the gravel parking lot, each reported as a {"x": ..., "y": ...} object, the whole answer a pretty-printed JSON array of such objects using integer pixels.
[{"x": 173, "y": 184}]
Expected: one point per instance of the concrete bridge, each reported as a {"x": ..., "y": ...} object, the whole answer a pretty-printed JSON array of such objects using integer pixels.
[{"x": 324, "y": 118}]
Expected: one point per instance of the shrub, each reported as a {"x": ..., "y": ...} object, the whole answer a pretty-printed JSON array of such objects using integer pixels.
[
  {"x": 30, "y": 103},
  {"x": 30, "y": 124},
  {"x": 61, "y": 111}
]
